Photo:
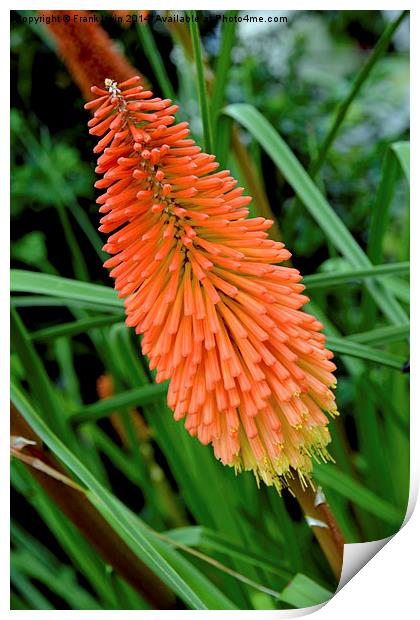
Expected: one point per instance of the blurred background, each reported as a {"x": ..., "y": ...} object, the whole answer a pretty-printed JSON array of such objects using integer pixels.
[{"x": 295, "y": 74}]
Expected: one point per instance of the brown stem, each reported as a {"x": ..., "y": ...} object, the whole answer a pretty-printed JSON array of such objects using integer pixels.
[
  {"x": 76, "y": 506},
  {"x": 322, "y": 522}
]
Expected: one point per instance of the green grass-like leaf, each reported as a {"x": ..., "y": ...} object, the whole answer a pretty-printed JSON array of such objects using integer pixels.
[
  {"x": 341, "y": 483},
  {"x": 324, "y": 280},
  {"x": 382, "y": 335},
  {"x": 129, "y": 398},
  {"x": 304, "y": 592},
  {"x": 359, "y": 81},
  {"x": 203, "y": 97},
  {"x": 397, "y": 156},
  {"x": 56, "y": 286},
  {"x": 347, "y": 347},
  {"x": 153, "y": 55},
  {"x": 74, "y": 328}
]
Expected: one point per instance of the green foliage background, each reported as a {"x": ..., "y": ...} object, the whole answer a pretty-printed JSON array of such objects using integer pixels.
[{"x": 342, "y": 209}]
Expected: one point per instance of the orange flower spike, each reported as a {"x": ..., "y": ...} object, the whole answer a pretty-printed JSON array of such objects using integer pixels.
[
  {"x": 247, "y": 366},
  {"x": 88, "y": 52}
]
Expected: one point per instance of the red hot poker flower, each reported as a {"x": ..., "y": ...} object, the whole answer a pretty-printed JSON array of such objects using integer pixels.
[
  {"x": 248, "y": 369},
  {"x": 86, "y": 49}
]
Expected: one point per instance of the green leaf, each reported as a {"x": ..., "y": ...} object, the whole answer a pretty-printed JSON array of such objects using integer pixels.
[
  {"x": 345, "y": 485},
  {"x": 198, "y": 536},
  {"x": 402, "y": 152},
  {"x": 118, "y": 457},
  {"x": 382, "y": 335},
  {"x": 118, "y": 516},
  {"x": 399, "y": 288},
  {"x": 203, "y": 98},
  {"x": 31, "y": 249},
  {"x": 74, "y": 545},
  {"x": 16, "y": 602},
  {"x": 202, "y": 586},
  {"x": 129, "y": 398},
  {"x": 223, "y": 63},
  {"x": 313, "y": 200},
  {"x": 396, "y": 157},
  {"x": 41, "y": 156},
  {"x": 46, "y": 301},
  {"x": 298, "y": 178},
  {"x": 154, "y": 57},
  {"x": 74, "y": 328},
  {"x": 304, "y": 592},
  {"x": 321, "y": 280},
  {"x": 28, "y": 591},
  {"x": 226, "y": 496},
  {"x": 222, "y": 125},
  {"x": 347, "y": 347},
  {"x": 40, "y": 384},
  {"x": 57, "y": 577},
  {"x": 41, "y": 283},
  {"x": 361, "y": 78}
]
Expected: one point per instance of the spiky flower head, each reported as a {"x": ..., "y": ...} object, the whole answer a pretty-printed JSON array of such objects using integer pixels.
[{"x": 220, "y": 317}]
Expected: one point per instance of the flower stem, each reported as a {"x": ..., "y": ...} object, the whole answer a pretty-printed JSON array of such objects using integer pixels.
[
  {"x": 322, "y": 521},
  {"x": 201, "y": 83},
  {"x": 153, "y": 55}
]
